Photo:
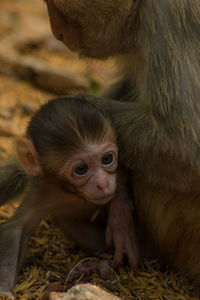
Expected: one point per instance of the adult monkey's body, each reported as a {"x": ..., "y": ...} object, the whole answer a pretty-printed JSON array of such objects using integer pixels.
[{"x": 158, "y": 129}]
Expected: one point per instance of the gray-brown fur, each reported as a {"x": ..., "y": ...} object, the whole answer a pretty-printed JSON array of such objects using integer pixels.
[
  {"x": 63, "y": 125},
  {"x": 13, "y": 180},
  {"x": 156, "y": 44},
  {"x": 60, "y": 140}
]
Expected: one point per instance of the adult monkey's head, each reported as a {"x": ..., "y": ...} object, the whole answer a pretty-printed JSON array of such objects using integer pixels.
[{"x": 95, "y": 29}]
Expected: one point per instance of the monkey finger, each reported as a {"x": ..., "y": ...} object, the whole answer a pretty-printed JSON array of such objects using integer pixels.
[
  {"x": 109, "y": 239},
  {"x": 133, "y": 260},
  {"x": 133, "y": 255},
  {"x": 118, "y": 254}
]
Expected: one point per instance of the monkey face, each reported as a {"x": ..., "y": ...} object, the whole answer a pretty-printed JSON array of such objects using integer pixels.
[
  {"x": 95, "y": 29},
  {"x": 93, "y": 172}
]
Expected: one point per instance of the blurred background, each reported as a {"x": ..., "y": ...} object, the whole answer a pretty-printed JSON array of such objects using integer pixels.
[{"x": 34, "y": 67}]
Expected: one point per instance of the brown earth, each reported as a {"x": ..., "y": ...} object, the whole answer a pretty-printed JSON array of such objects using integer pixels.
[{"x": 26, "y": 39}]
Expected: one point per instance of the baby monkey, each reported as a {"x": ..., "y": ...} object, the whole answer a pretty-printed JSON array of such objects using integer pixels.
[{"x": 71, "y": 160}]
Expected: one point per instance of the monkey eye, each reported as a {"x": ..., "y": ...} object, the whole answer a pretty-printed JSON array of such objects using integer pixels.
[
  {"x": 107, "y": 159},
  {"x": 81, "y": 170}
]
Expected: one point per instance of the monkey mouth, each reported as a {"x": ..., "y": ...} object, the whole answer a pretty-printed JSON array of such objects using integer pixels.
[{"x": 65, "y": 28}]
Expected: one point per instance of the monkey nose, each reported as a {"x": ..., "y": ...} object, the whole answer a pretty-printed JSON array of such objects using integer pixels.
[
  {"x": 102, "y": 185},
  {"x": 55, "y": 20}
]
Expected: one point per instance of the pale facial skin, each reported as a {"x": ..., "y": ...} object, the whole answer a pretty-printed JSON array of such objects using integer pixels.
[{"x": 93, "y": 172}]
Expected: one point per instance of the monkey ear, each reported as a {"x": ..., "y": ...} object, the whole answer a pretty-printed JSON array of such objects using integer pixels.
[{"x": 28, "y": 157}]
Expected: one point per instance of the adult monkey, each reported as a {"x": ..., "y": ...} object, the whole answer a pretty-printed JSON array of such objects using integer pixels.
[{"x": 157, "y": 46}]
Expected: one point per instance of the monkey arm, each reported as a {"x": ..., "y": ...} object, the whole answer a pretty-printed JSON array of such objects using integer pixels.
[
  {"x": 122, "y": 90},
  {"x": 14, "y": 236},
  {"x": 131, "y": 126},
  {"x": 120, "y": 229},
  {"x": 152, "y": 148},
  {"x": 9, "y": 256}
]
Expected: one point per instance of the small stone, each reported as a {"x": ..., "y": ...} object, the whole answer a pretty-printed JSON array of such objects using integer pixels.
[{"x": 84, "y": 292}]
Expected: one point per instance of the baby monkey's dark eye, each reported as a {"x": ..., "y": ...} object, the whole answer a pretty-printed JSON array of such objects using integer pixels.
[
  {"x": 81, "y": 170},
  {"x": 107, "y": 159}
]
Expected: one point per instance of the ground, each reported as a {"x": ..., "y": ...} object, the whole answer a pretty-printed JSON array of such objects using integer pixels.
[{"x": 31, "y": 59}]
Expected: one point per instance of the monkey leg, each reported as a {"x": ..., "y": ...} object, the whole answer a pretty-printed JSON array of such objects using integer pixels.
[
  {"x": 102, "y": 267},
  {"x": 171, "y": 223},
  {"x": 14, "y": 236},
  {"x": 88, "y": 236},
  {"x": 91, "y": 238}
]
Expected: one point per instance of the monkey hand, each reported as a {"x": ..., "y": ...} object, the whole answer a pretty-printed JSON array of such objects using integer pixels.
[{"x": 120, "y": 231}]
